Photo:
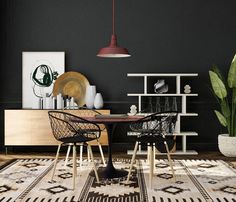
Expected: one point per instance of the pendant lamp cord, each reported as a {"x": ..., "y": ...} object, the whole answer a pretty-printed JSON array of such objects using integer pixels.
[{"x": 113, "y": 17}]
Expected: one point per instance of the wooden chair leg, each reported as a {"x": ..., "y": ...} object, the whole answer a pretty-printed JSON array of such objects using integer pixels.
[
  {"x": 74, "y": 165},
  {"x": 101, "y": 152},
  {"x": 148, "y": 153},
  {"x": 94, "y": 166},
  {"x": 80, "y": 155},
  {"x": 132, "y": 161},
  {"x": 88, "y": 155},
  {"x": 151, "y": 167},
  {"x": 154, "y": 156},
  {"x": 55, "y": 161},
  {"x": 67, "y": 154},
  {"x": 170, "y": 161}
]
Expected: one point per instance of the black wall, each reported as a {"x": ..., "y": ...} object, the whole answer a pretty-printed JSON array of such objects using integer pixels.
[{"x": 162, "y": 36}]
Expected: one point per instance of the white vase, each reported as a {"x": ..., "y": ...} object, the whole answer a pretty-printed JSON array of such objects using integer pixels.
[
  {"x": 98, "y": 101},
  {"x": 60, "y": 103},
  {"x": 90, "y": 95},
  {"x": 227, "y": 145}
]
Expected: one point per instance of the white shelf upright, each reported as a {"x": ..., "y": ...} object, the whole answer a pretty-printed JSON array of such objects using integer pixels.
[{"x": 178, "y": 93}]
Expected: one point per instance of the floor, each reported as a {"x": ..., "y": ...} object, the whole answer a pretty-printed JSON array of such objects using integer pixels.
[{"x": 213, "y": 155}]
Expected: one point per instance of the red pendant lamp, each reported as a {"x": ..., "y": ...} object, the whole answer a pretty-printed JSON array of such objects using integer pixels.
[{"x": 113, "y": 50}]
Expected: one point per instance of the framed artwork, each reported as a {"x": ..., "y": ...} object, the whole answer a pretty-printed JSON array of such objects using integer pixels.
[{"x": 39, "y": 72}]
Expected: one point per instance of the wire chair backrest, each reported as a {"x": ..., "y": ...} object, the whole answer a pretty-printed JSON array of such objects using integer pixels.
[
  {"x": 65, "y": 125},
  {"x": 156, "y": 124},
  {"x": 86, "y": 112}
]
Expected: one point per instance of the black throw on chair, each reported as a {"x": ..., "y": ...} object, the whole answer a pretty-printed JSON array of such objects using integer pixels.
[
  {"x": 153, "y": 130},
  {"x": 68, "y": 128}
]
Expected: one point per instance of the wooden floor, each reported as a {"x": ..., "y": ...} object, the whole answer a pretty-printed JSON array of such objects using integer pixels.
[{"x": 202, "y": 155}]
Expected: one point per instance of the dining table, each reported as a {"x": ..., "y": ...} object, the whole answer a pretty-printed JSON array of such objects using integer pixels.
[{"x": 110, "y": 122}]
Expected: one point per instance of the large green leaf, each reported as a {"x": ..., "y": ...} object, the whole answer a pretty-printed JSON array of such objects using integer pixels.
[
  {"x": 234, "y": 96},
  {"x": 217, "y": 85},
  {"x": 221, "y": 118},
  {"x": 232, "y": 73},
  {"x": 218, "y": 72},
  {"x": 225, "y": 109}
]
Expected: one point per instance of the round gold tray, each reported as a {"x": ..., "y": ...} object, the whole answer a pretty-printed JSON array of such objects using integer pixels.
[{"x": 72, "y": 84}]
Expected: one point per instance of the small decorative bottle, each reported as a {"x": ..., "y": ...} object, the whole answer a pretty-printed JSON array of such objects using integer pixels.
[
  {"x": 158, "y": 104},
  {"x": 72, "y": 102},
  {"x": 68, "y": 102},
  {"x": 174, "y": 105},
  {"x": 53, "y": 102},
  {"x": 150, "y": 106},
  {"x": 41, "y": 103},
  {"x": 60, "y": 104},
  {"x": 90, "y": 96},
  {"x": 98, "y": 101},
  {"x": 167, "y": 105}
]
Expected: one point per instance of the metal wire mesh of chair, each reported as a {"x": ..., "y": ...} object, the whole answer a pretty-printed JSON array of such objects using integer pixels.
[
  {"x": 85, "y": 112},
  {"x": 151, "y": 130},
  {"x": 67, "y": 127},
  {"x": 155, "y": 127}
]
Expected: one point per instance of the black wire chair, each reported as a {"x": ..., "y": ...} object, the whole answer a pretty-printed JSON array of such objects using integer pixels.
[
  {"x": 85, "y": 112},
  {"x": 153, "y": 130},
  {"x": 68, "y": 128}
]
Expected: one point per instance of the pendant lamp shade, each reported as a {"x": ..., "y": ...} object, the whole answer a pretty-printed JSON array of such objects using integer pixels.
[{"x": 113, "y": 50}]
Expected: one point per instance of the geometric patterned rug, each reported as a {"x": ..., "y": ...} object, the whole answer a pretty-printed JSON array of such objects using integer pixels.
[{"x": 28, "y": 180}]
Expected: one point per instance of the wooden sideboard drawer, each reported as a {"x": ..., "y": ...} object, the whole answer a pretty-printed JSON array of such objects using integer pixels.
[{"x": 32, "y": 127}]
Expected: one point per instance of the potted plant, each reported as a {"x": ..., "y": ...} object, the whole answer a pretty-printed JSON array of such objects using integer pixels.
[{"x": 225, "y": 93}]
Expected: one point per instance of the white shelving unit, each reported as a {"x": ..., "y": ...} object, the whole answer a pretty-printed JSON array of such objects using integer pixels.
[{"x": 184, "y": 113}]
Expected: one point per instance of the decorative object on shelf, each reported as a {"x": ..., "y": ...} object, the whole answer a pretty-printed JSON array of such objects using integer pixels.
[
  {"x": 72, "y": 84},
  {"x": 41, "y": 103},
  {"x": 158, "y": 104},
  {"x": 133, "y": 110},
  {"x": 160, "y": 86},
  {"x": 174, "y": 106},
  {"x": 187, "y": 89},
  {"x": 40, "y": 69},
  {"x": 37, "y": 104},
  {"x": 150, "y": 105},
  {"x": 98, "y": 101},
  {"x": 113, "y": 50},
  {"x": 225, "y": 91},
  {"x": 167, "y": 104},
  {"x": 67, "y": 102},
  {"x": 72, "y": 103},
  {"x": 47, "y": 102},
  {"x": 90, "y": 96},
  {"x": 60, "y": 101},
  {"x": 54, "y": 103}
]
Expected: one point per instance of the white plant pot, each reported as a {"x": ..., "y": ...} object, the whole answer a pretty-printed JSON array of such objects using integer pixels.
[
  {"x": 90, "y": 95},
  {"x": 98, "y": 101},
  {"x": 227, "y": 145}
]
